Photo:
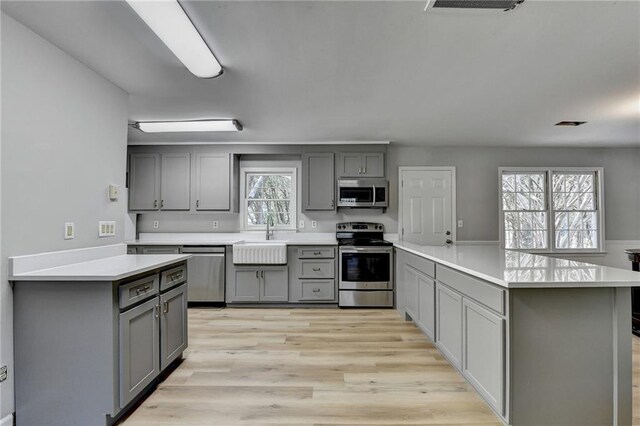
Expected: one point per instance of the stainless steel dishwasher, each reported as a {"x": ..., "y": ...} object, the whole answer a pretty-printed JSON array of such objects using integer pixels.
[{"x": 205, "y": 272}]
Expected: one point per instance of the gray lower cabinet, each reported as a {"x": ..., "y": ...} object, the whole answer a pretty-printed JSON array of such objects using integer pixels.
[
  {"x": 318, "y": 181},
  {"x": 312, "y": 274},
  {"x": 411, "y": 292},
  {"x": 173, "y": 325},
  {"x": 212, "y": 181},
  {"x": 426, "y": 304},
  {"x": 254, "y": 284},
  {"x": 139, "y": 349},
  {"x": 449, "y": 323},
  {"x": 175, "y": 182},
  {"x": 483, "y": 356}
]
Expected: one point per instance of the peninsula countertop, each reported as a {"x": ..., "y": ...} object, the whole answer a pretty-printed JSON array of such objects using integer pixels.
[
  {"x": 111, "y": 268},
  {"x": 516, "y": 269}
]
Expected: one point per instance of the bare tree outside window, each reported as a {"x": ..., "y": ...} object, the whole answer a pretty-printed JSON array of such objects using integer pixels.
[{"x": 269, "y": 197}]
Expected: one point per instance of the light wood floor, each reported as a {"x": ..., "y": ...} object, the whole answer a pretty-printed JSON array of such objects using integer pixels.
[{"x": 315, "y": 367}]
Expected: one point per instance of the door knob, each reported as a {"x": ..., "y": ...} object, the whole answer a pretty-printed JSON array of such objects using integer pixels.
[
  {"x": 449, "y": 241},
  {"x": 448, "y": 232}
]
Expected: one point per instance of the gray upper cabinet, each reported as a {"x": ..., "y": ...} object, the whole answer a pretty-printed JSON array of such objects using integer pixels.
[
  {"x": 318, "y": 181},
  {"x": 173, "y": 327},
  {"x": 449, "y": 323},
  {"x": 175, "y": 187},
  {"x": 159, "y": 181},
  {"x": 144, "y": 181},
  {"x": 212, "y": 181},
  {"x": 352, "y": 164}
]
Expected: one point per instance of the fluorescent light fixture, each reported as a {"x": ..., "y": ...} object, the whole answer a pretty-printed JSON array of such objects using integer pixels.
[
  {"x": 189, "y": 126},
  {"x": 171, "y": 24}
]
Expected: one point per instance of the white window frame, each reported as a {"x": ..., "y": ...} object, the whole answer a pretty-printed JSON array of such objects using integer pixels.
[
  {"x": 548, "y": 171},
  {"x": 273, "y": 171}
]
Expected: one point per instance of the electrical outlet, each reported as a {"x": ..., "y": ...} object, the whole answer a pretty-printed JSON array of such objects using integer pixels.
[
  {"x": 314, "y": 223},
  {"x": 215, "y": 224},
  {"x": 106, "y": 228},
  {"x": 156, "y": 224},
  {"x": 3, "y": 373},
  {"x": 69, "y": 231},
  {"x": 460, "y": 224},
  {"x": 301, "y": 224}
]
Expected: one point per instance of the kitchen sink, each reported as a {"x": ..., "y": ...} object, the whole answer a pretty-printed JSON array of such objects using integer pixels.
[{"x": 265, "y": 252}]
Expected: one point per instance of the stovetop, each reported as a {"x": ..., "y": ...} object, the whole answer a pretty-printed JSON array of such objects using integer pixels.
[{"x": 363, "y": 242}]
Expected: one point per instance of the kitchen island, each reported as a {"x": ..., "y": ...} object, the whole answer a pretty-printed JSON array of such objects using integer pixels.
[
  {"x": 95, "y": 329},
  {"x": 545, "y": 341}
]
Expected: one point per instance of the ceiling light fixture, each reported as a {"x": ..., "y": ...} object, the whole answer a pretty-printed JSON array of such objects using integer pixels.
[
  {"x": 188, "y": 126},
  {"x": 570, "y": 123},
  {"x": 172, "y": 25}
]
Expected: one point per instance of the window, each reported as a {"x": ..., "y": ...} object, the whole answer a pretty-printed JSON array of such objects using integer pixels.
[
  {"x": 269, "y": 194},
  {"x": 551, "y": 210}
]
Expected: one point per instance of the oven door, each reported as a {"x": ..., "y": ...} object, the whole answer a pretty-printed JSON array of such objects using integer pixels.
[{"x": 366, "y": 268}]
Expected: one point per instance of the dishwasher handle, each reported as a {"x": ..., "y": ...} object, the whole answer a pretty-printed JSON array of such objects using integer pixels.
[{"x": 203, "y": 250}]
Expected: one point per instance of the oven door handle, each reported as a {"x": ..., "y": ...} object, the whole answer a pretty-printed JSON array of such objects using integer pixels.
[{"x": 366, "y": 249}]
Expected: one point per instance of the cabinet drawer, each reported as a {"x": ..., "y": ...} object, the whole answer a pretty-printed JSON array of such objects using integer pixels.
[
  {"x": 425, "y": 266},
  {"x": 316, "y": 269},
  {"x": 318, "y": 289},
  {"x": 138, "y": 290},
  {"x": 482, "y": 291},
  {"x": 316, "y": 252},
  {"x": 172, "y": 277}
]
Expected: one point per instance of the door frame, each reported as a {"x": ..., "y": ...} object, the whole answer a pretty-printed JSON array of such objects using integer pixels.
[{"x": 452, "y": 169}]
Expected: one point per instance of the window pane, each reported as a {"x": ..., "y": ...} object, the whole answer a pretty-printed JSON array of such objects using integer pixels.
[
  {"x": 508, "y": 201},
  {"x": 576, "y": 217},
  {"x": 558, "y": 201},
  {"x": 523, "y": 183},
  {"x": 508, "y": 183},
  {"x": 526, "y": 221},
  {"x": 561, "y": 220},
  {"x": 586, "y": 202},
  {"x": 536, "y": 201},
  {"x": 522, "y": 201},
  {"x": 558, "y": 183},
  {"x": 524, "y": 205},
  {"x": 511, "y": 221},
  {"x": 586, "y": 183},
  {"x": 268, "y": 199}
]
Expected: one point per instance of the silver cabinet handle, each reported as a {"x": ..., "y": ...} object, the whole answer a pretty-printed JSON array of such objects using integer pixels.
[
  {"x": 166, "y": 307},
  {"x": 155, "y": 204},
  {"x": 143, "y": 289},
  {"x": 156, "y": 311},
  {"x": 316, "y": 290},
  {"x": 364, "y": 170},
  {"x": 316, "y": 269},
  {"x": 197, "y": 203},
  {"x": 161, "y": 203},
  {"x": 317, "y": 253},
  {"x": 262, "y": 274},
  {"x": 359, "y": 170},
  {"x": 257, "y": 276}
]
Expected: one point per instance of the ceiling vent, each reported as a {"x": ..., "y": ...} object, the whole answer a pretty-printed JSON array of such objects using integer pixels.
[{"x": 505, "y": 5}]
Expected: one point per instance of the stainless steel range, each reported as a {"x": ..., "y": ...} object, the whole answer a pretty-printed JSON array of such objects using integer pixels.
[{"x": 366, "y": 265}]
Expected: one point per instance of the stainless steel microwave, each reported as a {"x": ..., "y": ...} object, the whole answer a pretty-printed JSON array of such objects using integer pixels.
[{"x": 363, "y": 193}]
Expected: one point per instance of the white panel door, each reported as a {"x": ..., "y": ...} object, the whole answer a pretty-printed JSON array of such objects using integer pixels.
[{"x": 427, "y": 205}]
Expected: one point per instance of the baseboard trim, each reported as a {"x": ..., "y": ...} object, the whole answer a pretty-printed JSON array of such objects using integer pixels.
[{"x": 7, "y": 421}]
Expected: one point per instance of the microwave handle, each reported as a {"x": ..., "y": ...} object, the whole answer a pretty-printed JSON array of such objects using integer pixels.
[{"x": 374, "y": 195}]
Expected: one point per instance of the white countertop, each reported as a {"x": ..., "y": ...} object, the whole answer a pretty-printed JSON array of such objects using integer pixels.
[
  {"x": 514, "y": 269},
  {"x": 111, "y": 268},
  {"x": 227, "y": 239}
]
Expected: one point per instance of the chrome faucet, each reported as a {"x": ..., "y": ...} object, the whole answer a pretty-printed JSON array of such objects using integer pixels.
[{"x": 269, "y": 232}]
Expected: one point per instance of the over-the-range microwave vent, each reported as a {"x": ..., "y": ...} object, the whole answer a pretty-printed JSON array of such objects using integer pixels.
[{"x": 475, "y": 4}]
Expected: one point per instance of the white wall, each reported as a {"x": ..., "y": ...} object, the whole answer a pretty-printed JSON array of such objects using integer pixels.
[{"x": 63, "y": 142}]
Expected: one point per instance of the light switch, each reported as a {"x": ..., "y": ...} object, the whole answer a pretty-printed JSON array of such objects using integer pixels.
[
  {"x": 114, "y": 192},
  {"x": 69, "y": 231},
  {"x": 106, "y": 228}
]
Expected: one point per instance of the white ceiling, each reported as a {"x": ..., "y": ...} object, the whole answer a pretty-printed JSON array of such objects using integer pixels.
[{"x": 345, "y": 71}]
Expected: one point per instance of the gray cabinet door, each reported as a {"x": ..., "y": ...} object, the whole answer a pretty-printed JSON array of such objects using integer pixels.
[
  {"x": 483, "y": 356},
  {"x": 318, "y": 182},
  {"x": 212, "y": 182},
  {"x": 139, "y": 349},
  {"x": 350, "y": 164},
  {"x": 449, "y": 324},
  {"x": 175, "y": 184},
  {"x": 173, "y": 325},
  {"x": 373, "y": 165},
  {"x": 411, "y": 292},
  {"x": 246, "y": 286},
  {"x": 426, "y": 304},
  {"x": 144, "y": 181},
  {"x": 275, "y": 285}
]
